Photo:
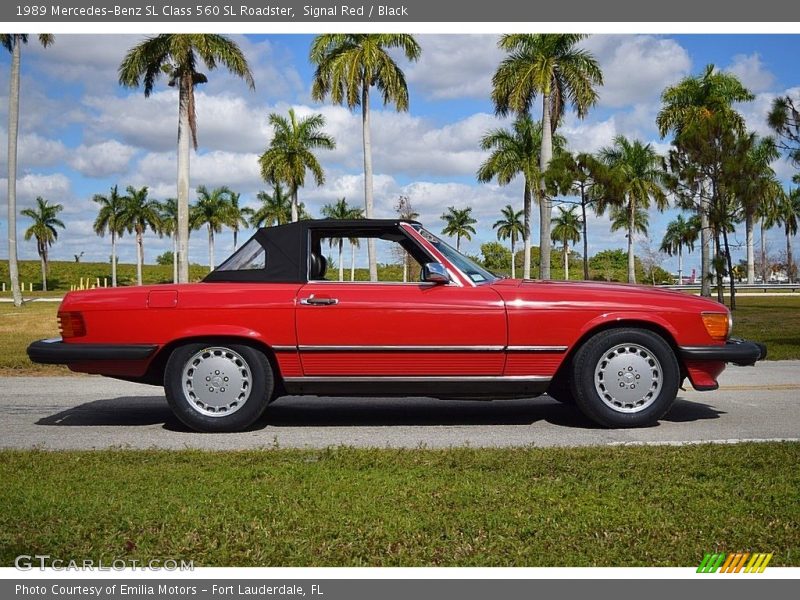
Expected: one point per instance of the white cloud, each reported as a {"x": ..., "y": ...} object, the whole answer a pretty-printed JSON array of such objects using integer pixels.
[
  {"x": 34, "y": 151},
  {"x": 101, "y": 160},
  {"x": 55, "y": 187},
  {"x": 752, "y": 72},
  {"x": 454, "y": 66},
  {"x": 636, "y": 68}
]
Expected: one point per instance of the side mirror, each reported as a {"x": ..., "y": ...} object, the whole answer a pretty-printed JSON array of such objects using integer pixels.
[{"x": 434, "y": 272}]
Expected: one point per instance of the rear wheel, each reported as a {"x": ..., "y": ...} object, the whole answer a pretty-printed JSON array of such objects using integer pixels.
[
  {"x": 218, "y": 387},
  {"x": 625, "y": 377}
]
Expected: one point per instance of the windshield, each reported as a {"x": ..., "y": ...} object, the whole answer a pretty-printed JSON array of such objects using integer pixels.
[{"x": 466, "y": 265}]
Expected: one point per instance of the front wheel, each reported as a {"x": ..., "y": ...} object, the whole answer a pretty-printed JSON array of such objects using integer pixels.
[
  {"x": 218, "y": 387},
  {"x": 625, "y": 377}
]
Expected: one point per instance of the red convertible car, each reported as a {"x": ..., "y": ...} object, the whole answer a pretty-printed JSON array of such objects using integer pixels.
[{"x": 274, "y": 320}]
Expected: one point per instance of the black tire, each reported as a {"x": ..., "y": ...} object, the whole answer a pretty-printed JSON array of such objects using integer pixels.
[
  {"x": 624, "y": 364},
  {"x": 218, "y": 409}
]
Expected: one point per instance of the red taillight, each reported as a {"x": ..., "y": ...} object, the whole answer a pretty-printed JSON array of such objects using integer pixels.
[{"x": 71, "y": 324}]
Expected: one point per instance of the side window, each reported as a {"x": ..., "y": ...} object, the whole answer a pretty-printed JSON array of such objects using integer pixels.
[
  {"x": 250, "y": 257},
  {"x": 347, "y": 260}
]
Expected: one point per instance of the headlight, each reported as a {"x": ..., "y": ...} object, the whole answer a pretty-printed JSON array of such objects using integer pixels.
[{"x": 718, "y": 325}]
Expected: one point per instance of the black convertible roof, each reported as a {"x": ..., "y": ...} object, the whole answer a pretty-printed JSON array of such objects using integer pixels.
[{"x": 287, "y": 248}]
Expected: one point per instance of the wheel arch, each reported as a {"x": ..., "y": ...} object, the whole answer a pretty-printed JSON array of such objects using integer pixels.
[
  {"x": 638, "y": 322},
  {"x": 155, "y": 370}
]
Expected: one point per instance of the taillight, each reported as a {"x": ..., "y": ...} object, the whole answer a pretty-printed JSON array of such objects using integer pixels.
[
  {"x": 718, "y": 325},
  {"x": 71, "y": 324}
]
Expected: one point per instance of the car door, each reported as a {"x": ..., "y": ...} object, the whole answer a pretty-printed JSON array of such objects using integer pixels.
[{"x": 363, "y": 329}]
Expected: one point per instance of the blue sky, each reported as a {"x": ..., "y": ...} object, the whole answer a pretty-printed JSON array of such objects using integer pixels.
[{"x": 81, "y": 133}]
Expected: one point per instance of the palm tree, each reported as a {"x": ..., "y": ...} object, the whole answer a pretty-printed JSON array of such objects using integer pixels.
[
  {"x": 177, "y": 56},
  {"x": 45, "y": 220},
  {"x": 510, "y": 227},
  {"x": 169, "y": 226},
  {"x": 109, "y": 219},
  {"x": 553, "y": 66},
  {"x": 459, "y": 223},
  {"x": 213, "y": 209},
  {"x": 348, "y": 66},
  {"x": 290, "y": 152},
  {"x": 139, "y": 214},
  {"x": 275, "y": 209},
  {"x": 636, "y": 179},
  {"x": 582, "y": 175},
  {"x": 566, "y": 229},
  {"x": 680, "y": 233},
  {"x": 689, "y": 103},
  {"x": 757, "y": 185},
  {"x": 516, "y": 152},
  {"x": 789, "y": 217},
  {"x": 13, "y": 42},
  {"x": 340, "y": 210},
  {"x": 406, "y": 212},
  {"x": 238, "y": 216}
]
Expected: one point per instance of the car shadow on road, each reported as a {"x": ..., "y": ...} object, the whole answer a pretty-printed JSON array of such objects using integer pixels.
[
  {"x": 359, "y": 412},
  {"x": 123, "y": 411}
]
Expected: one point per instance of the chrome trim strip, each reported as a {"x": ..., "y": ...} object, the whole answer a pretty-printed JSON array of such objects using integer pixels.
[
  {"x": 421, "y": 378},
  {"x": 557, "y": 349},
  {"x": 401, "y": 348},
  {"x": 284, "y": 348}
]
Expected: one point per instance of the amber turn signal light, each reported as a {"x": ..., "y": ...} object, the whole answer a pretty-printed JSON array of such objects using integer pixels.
[
  {"x": 717, "y": 325},
  {"x": 71, "y": 324}
]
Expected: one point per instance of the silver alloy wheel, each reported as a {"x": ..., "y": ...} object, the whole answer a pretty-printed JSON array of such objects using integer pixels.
[
  {"x": 216, "y": 381},
  {"x": 628, "y": 378}
]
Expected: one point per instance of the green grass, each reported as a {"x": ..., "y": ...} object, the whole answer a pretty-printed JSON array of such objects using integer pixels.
[
  {"x": 609, "y": 506},
  {"x": 773, "y": 321},
  {"x": 21, "y": 326},
  {"x": 63, "y": 274}
]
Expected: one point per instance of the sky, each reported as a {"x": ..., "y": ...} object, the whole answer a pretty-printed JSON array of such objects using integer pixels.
[{"x": 81, "y": 133}]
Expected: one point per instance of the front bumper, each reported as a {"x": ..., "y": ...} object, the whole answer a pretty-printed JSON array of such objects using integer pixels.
[
  {"x": 55, "y": 352},
  {"x": 738, "y": 352}
]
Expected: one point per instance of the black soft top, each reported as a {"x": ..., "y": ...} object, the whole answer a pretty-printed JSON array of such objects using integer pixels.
[{"x": 287, "y": 247}]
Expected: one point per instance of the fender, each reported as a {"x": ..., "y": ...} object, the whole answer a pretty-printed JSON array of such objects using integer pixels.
[{"x": 620, "y": 316}]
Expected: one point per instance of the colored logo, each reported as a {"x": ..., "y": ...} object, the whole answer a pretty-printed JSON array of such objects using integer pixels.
[{"x": 734, "y": 562}]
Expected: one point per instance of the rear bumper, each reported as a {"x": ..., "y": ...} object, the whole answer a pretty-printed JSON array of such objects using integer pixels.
[
  {"x": 56, "y": 352},
  {"x": 738, "y": 352}
]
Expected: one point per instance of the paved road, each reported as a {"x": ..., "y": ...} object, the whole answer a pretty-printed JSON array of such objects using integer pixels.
[{"x": 760, "y": 402}]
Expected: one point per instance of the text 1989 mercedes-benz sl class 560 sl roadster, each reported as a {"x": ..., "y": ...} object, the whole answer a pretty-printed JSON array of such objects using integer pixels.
[{"x": 274, "y": 320}]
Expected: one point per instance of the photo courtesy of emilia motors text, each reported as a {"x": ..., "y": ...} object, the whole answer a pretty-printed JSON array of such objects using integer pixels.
[{"x": 357, "y": 300}]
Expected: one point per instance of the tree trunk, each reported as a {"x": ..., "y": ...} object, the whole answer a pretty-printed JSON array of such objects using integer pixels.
[
  {"x": 113, "y": 259},
  {"x": 210, "y": 249},
  {"x": 341, "y": 265},
  {"x": 458, "y": 242},
  {"x": 295, "y": 211},
  {"x": 43, "y": 260},
  {"x": 730, "y": 268},
  {"x": 718, "y": 268},
  {"x": 789, "y": 257},
  {"x": 368, "y": 200},
  {"x": 235, "y": 237},
  {"x": 513, "y": 265},
  {"x": 585, "y": 236},
  {"x": 139, "y": 257},
  {"x": 763, "y": 252},
  {"x": 631, "y": 228},
  {"x": 526, "y": 234},
  {"x": 566, "y": 262},
  {"x": 174, "y": 259},
  {"x": 184, "y": 135},
  {"x": 544, "y": 205},
  {"x": 680, "y": 264},
  {"x": 13, "y": 133},
  {"x": 352, "y": 261},
  {"x": 705, "y": 243},
  {"x": 751, "y": 259}
]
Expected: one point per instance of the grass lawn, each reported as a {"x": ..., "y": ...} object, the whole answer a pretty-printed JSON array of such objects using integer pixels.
[
  {"x": 622, "y": 506},
  {"x": 774, "y": 321}
]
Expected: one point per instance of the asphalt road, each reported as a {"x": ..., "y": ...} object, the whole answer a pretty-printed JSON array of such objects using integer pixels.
[{"x": 753, "y": 403}]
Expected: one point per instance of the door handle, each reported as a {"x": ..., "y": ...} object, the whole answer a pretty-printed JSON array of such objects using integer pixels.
[{"x": 319, "y": 301}]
